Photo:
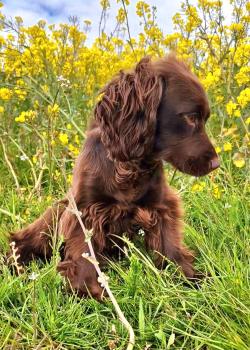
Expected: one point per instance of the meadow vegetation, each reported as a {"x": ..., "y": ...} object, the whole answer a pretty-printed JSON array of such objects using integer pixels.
[{"x": 49, "y": 84}]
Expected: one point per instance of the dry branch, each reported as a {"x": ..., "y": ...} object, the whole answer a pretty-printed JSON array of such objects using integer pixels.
[{"x": 102, "y": 278}]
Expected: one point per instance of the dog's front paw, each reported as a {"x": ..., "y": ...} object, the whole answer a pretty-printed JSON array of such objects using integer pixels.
[
  {"x": 198, "y": 278},
  {"x": 81, "y": 277}
]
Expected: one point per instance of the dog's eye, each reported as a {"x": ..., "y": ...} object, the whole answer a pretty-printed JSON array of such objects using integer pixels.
[{"x": 191, "y": 118}]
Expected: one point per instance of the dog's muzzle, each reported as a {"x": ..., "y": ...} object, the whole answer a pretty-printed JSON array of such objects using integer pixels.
[{"x": 214, "y": 163}]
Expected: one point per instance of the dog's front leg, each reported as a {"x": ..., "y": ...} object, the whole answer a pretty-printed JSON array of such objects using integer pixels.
[
  {"x": 76, "y": 265},
  {"x": 35, "y": 240},
  {"x": 163, "y": 227},
  {"x": 165, "y": 240},
  {"x": 78, "y": 269}
]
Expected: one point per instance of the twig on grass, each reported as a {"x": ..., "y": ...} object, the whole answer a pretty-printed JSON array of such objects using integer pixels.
[
  {"x": 14, "y": 257},
  {"x": 10, "y": 167},
  {"x": 102, "y": 278},
  {"x": 12, "y": 215}
]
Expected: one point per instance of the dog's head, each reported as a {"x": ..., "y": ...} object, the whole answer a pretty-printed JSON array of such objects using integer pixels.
[{"x": 159, "y": 110}]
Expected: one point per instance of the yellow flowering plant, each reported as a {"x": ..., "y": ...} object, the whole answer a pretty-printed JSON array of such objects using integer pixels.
[{"x": 51, "y": 76}]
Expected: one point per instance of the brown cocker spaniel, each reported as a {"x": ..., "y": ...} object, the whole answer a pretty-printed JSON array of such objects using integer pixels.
[{"x": 154, "y": 113}]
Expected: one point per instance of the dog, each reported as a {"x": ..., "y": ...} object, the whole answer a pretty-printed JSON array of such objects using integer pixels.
[{"x": 152, "y": 114}]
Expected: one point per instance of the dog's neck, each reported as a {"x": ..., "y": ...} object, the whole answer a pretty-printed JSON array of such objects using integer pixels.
[
  {"x": 132, "y": 178},
  {"x": 135, "y": 169}
]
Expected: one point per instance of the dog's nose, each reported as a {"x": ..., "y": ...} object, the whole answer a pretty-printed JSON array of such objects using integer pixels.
[{"x": 214, "y": 163}]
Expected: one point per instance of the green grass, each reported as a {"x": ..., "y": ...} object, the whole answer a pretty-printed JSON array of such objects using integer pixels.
[{"x": 161, "y": 307}]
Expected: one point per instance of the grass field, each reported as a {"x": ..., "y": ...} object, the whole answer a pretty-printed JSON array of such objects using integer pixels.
[{"x": 162, "y": 308}]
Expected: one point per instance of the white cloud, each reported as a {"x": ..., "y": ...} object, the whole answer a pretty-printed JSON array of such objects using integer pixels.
[{"x": 59, "y": 11}]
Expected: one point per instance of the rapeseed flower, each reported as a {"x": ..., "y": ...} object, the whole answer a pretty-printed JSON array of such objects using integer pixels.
[{"x": 63, "y": 138}]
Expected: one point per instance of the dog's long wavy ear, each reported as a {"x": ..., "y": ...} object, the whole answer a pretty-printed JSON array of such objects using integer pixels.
[{"x": 127, "y": 112}]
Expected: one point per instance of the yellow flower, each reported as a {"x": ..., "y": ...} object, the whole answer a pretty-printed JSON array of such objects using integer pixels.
[
  {"x": 141, "y": 8},
  {"x": 56, "y": 174},
  {"x": 77, "y": 141},
  {"x": 248, "y": 121},
  {"x": 34, "y": 159},
  {"x": 49, "y": 198},
  {"x": 74, "y": 149},
  {"x": 237, "y": 113},
  {"x": 236, "y": 27},
  {"x": 105, "y": 4},
  {"x": 239, "y": 162},
  {"x": 5, "y": 94},
  {"x": 36, "y": 104},
  {"x": 217, "y": 192},
  {"x": 87, "y": 22},
  {"x": 211, "y": 79},
  {"x": 244, "y": 97},
  {"x": 53, "y": 110},
  {"x": 198, "y": 187},
  {"x": 45, "y": 88},
  {"x": 20, "y": 118},
  {"x": 69, "y": 179},
  {"x": 1, "y": 109},
  {"x": 243, "y": 76},
  {"x": 230, "y": 107},
  {"x": 21, "y": 94},
  {"x": 121, "y": 16},
  {"x": 25, "y": 116},
  {"x": 69, "y": 126},
  {"x": 63, "y": 138},
  {"x": 227, "y": 147},
  {"x": 217, "y": 149},
  {"x": 219, "y": 98}
]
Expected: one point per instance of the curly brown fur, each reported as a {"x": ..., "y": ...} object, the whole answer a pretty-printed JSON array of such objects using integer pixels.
[{"x": 154, "y": 113}]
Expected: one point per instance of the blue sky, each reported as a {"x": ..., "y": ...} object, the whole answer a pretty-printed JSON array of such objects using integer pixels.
[{"x": 58, "y": 11}]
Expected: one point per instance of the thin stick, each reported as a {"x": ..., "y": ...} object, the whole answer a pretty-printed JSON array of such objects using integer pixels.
[
  {"x": 172, "y": 178},
  {"x": 102, "y": 278},
  {"x": 10, "y": 167},
  {"x": 13, "y": 216},
  {"x": 37, "y": 185},
  {"x": 26, "y": 157},
  {"x": 128, "y": 29},
  {"x": 14, "y": 257}
]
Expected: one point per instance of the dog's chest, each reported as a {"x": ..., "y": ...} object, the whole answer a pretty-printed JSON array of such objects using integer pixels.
[{"x": 117, "y": 219}]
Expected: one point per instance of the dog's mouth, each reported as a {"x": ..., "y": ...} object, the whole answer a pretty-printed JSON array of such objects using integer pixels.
[{"x": 196, "y": 166}]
